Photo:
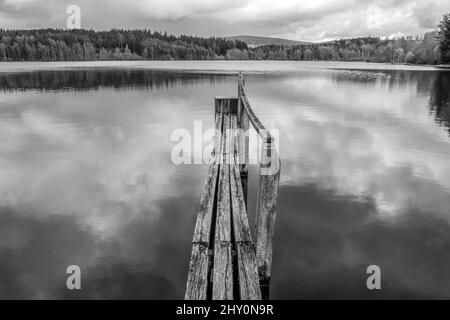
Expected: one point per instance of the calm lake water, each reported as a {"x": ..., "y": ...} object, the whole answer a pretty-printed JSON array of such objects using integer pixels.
[{"x": 86, "y": 178}]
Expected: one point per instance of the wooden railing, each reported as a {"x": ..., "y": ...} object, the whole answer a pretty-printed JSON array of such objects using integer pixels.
[{"x": 269, "y": 180}]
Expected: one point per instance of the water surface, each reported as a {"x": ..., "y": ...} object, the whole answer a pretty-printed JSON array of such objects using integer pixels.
[{"x": 86, "y": 179}]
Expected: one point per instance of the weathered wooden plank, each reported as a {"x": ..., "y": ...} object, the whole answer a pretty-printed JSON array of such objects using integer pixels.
[
  {"x": 223, "y": 266},
  {"x": 197, "y": 283},
  {"x": 241, "y": 227},
  {"x": 203, "y": 225},
  {"x": 222, "y": 272},
  {"x": 246, "y": 258},
  {"x": 265, "y": 217},
  {"x": 248, "y": 273},
  {"x": 248, "y": 280},
  {"x": 223, "y": 196},
  {"x": 204, "y": 215},
  {"x": 240, "y": 220}
]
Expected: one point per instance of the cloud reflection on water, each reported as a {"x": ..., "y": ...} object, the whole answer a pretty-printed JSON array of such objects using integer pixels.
[
  {"x": 86, "y": 178},
  {"x": 360, "y": 139}
]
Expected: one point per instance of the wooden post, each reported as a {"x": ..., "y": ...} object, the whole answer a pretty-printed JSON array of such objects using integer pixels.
[
  {"x": 243, "y": 139},
  {"x": 266, "y": 212}
]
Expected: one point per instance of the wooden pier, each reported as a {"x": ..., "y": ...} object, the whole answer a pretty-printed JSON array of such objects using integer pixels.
[{"x": 225, "y": 263}]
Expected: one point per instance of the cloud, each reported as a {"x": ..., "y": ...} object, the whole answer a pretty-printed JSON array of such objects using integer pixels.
[
  {"x": 93, "y": 187},
  {"x": 18, "y": 4},
  {"x": 302, "y": 20},
  {"x": 428, "y": 12},
  {"x": 173, "y": 9},
  {"x": 328, "y": 240}
]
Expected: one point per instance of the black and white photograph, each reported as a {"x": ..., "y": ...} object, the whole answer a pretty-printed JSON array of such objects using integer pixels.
[{"x": 225, "y": 150}]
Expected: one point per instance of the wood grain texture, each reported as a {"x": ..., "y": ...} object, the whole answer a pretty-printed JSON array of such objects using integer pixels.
[
  {"x": 223, "y": 263},
  {"x": 248, "y": 273},
  {"x": 222, "y": 272},
  {"x": 223, "y": 195},
  {"x": 204, "y": 216},
  {"x": 223, "y": 221},
  {"x": 246, "y": 258},
  {"x": 248, "y": 280},
  {"x": 196, "y": 288},
  {"x": 240, "y": 220},
  {"x": 197, "y": 282},
  {"x": 265, "y": 222}
]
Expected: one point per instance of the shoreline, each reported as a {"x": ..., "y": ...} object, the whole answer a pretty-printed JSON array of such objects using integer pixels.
[{"x": 213, "y": 66}]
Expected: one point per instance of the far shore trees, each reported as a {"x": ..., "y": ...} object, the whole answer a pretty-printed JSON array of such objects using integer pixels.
[{"x": 79, "y": 45}]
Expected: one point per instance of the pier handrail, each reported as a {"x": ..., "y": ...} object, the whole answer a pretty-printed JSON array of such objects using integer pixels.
[
  {"x": 267, "y": 200},
  {"x": 257, "y": 124}
]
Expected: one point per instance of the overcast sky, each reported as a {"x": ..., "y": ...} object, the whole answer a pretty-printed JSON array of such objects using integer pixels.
[{"x": 309, "y": 20}]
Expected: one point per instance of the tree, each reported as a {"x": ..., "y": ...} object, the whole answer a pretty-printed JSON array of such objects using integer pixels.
[
  {"x": 104, "y": 54},
  {"x": 307, "y": 55},
  {"x": 444, "y": 38},
  {"x": 55, "y": 45},
  {"x": 117, "y": 54},
  {"x": 2, "y": 52},
  {"x": 410, "y": 57},
  {"x": 236, "y": 54},
  {"x": 127, "y": 55},
  {"x": 399, "y": 54},
  {"x": 425, "y": 50}
]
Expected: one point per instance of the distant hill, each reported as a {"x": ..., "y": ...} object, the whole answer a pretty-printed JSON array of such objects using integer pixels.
[{"x": 254, "y": 41}]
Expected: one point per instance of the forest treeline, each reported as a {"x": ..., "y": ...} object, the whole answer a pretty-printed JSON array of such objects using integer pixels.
[{"x": 79, "y": 45}]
